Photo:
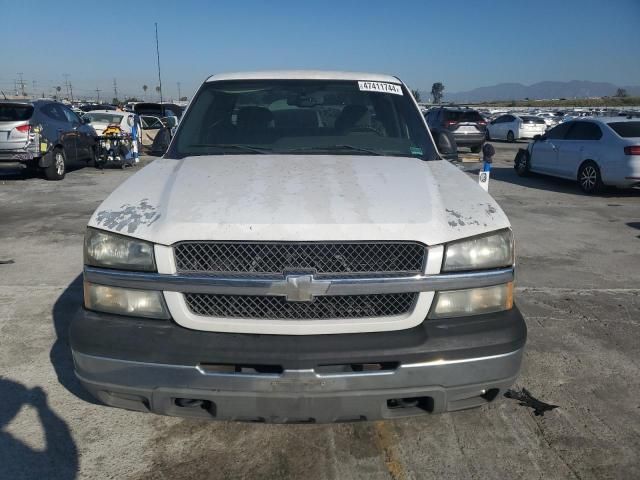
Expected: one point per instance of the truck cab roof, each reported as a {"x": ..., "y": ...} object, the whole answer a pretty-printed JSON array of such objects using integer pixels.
[{"x": 303, "y": 75}]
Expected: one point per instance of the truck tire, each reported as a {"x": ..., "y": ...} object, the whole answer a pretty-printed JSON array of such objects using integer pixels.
[
  {"x": 475, "y": 149},
  {"x": 58, "y": 167}
]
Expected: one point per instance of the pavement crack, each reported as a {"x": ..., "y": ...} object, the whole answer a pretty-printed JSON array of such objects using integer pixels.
[
  {"x": 543, "y": 436},
  {"x": 462, "y": 448}
]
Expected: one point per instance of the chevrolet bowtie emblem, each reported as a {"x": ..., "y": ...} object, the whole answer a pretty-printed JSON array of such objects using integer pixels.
[{"x": 299, "y": 288}]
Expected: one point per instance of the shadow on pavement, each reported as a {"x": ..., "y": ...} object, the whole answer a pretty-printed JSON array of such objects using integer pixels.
[
  {"x": 635, "y": 225},
  {"x": 14, "y": 173},
  {"x": 60, "y": 354},
  {"x": 58, "y": 460},
  {"x": 552, "y": 184}
]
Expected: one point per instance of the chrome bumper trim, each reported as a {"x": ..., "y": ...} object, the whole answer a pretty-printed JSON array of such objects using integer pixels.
[
  {"x": 151, "y": 375},
  {"x": 291, "y": 285}
]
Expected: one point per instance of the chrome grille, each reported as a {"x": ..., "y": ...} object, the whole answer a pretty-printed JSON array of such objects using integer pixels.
[
  {"x": 324, "y": 307},
  {"x": 326, "y": 258}
]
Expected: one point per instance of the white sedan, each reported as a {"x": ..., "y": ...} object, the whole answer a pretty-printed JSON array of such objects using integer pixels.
[
  {"x": 549, "y": 118},
  {"x": 594, "y": 151},
  {"x": 511, "y": 127},
  {"x": 101, "y": 119}
]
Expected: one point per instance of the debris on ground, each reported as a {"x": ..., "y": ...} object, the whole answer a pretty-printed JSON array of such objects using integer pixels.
[{"x": 527, "y": 400}]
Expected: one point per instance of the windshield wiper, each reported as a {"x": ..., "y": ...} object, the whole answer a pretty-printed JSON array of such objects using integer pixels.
[
  {"x": 233, "y": 146},
  {"x": 333, "y": 148}
]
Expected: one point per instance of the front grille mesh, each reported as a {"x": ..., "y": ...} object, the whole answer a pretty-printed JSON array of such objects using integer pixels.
[
  {"x": 277, "y": 258},
  {"x": 324, "y": 307}
]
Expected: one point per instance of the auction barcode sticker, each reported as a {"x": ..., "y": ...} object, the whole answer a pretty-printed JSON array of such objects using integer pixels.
[{"x": 380, "y": 87}]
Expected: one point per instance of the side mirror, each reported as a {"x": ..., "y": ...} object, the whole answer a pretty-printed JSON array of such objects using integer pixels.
[
  {"x": 446, "y": 144},
  {"x": 539, "y": 138},
  {"x": 85, "y": 120}
]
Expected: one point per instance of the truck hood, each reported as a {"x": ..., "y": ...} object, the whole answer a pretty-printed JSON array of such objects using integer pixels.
[{"x": 299, "y": 197}]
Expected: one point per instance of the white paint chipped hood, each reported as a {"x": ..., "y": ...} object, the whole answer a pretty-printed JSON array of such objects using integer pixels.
[{"x": 298, "y": 198}]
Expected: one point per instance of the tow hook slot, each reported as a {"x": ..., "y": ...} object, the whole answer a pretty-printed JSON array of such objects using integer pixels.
[
  {"x": 195, "y": 404},
  {"x": 424, "y": 404}
]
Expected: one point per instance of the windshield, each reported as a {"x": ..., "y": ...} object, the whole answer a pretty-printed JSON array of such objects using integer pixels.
[
  {"x": 309, "y": 116},
  {"x": 104, "y": 117}
]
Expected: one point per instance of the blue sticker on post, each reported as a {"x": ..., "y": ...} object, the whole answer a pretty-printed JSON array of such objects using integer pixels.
[{"x": 381, "y": 87}]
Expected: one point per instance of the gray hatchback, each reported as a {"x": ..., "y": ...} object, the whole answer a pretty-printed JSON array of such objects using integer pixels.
[{"x": 44, "y": 135}]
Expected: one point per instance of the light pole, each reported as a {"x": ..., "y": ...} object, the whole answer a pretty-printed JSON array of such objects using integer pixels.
[{"x": 158, "y": 56}]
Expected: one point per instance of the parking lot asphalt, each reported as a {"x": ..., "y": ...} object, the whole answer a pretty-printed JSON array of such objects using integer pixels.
[{"x": 578, "y": 286}]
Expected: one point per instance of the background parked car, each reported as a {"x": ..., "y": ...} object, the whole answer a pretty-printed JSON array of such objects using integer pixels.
[
  {"x": 96, "y": 106},
  {"x": 467, "y": 125},
  {"x": 594, "y": 151},
  {"x": 44, "y": 135},
  {"x": 511, "y": 127},
  {"x": 159, "y": 122},
  {"x": 151, "y": 126},
  {"x": 549, "y": 118},
  {"x": 101, "y": 119}
]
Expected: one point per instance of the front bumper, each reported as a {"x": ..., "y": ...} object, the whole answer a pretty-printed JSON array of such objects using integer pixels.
[{"x": 158, "y": 366}]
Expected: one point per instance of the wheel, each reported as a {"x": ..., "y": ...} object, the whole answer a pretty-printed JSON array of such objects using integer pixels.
[
  {"x": 589, "y": 178},
  {"x": 487, "y": 135},
  {"x": 521, "y": 163},
  {"x": 475, "y": 149},
  {"x": 511, "y": 137},
  {"x": 58, "y": 168}
]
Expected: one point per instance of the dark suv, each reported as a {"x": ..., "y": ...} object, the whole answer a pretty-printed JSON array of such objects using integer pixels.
[
  {"x": 467, "y": 125},
  {"x": 44, "y": 135}
]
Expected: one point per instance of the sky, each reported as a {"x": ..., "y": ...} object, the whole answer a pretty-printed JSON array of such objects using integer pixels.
[{"x": 464, "y": 44}]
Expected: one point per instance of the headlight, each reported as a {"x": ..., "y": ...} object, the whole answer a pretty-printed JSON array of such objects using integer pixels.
[
  {"x": 104, "y": 249},
  {"x": 488, "y": 251},
  {"x": 474, "y": 301},
  {"x": 125, "y": 301}
]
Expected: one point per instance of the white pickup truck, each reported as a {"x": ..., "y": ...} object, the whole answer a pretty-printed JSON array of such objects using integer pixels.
[{"x": 301, "y": 253}]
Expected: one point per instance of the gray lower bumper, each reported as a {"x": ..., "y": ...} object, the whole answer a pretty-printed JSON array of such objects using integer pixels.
[
  {"x": 16, "y": 156},
  {"x": 298, "y": 395}
]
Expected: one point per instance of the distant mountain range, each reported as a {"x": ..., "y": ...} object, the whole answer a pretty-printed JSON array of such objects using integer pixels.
[{"x": 538, "y": 91}]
